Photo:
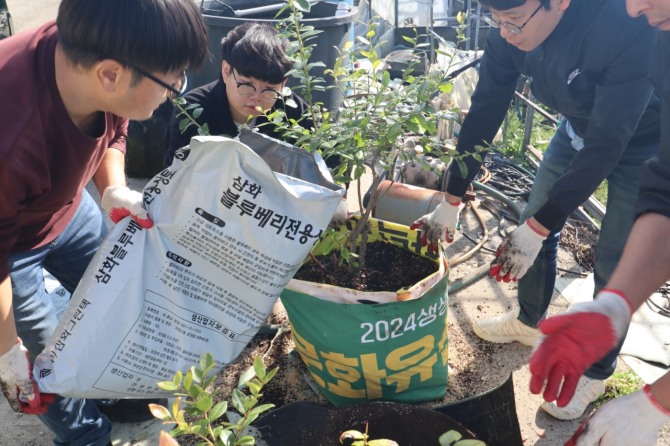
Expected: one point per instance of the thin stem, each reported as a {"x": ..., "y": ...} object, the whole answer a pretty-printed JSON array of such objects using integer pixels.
[
  {"x": 186, "y": 113},
  {"x": 316, "y": 261}
]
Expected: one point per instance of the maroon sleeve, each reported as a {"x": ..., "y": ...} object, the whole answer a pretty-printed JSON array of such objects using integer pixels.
[
  {"x": 121, "y": 134},
  {"x": 14, "y": 192}
]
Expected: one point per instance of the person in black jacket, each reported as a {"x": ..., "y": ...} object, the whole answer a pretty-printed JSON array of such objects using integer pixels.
[
  {"x": 253, "y": 74},
  {"x": 589, "y": 61},
  {"x": 252, "y": 82}
]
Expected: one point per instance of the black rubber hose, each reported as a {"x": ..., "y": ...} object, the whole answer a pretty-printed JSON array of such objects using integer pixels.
[{"x": 483, "y": 270}]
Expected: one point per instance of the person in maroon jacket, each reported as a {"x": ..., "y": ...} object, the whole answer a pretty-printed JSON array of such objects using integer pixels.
[{"x": 68, "y": 89}]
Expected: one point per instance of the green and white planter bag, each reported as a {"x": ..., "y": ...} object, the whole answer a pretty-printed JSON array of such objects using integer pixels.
[{"x": 395, "y": 350}]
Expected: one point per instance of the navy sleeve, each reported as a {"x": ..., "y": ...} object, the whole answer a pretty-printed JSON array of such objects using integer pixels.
[
  {"x": 621, "y": 97},
  {"x": 655, "y": 185},
  {"x": 494, "y": 92}
]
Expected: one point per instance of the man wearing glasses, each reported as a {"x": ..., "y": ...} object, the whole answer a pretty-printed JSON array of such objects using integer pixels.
[
  {"x": 589, "y": 61},
  {"x": 252, "y": 81},
  {"x": 68, "y": 90}
]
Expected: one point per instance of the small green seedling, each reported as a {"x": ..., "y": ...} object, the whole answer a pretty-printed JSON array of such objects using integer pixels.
[
  {"x": 356, "y": 438},
  {"x": 454, "y": 438},
  {"x": 206, "y": 420}
]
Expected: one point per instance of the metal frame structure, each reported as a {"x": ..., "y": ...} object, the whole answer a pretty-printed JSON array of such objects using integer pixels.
[{"x": 402, "y": 15}]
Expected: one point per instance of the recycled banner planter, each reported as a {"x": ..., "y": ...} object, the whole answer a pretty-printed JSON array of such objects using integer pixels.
[{"x": 393, "y": 351}]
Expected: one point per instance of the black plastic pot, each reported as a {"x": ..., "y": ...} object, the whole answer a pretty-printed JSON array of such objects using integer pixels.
[
  {"x": 491, "y": 415},
  {"x": 311, "y": 424}
]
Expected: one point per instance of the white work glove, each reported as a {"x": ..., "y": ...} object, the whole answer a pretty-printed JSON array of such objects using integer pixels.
[
  {"x": 574, "y": 341},
  {"x": 341, "y": 214},
  {"x": 516, "y": 254},
  {"x": 633, "y": 419},
  {"x": 18, "y": 385},
  {"x": 120, "y": 201},
  {"x": 439, "y": 225}
]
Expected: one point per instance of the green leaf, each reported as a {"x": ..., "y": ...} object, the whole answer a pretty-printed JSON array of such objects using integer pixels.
[
  {"x": 259, "y": 368},
  {"x": 188, "y": 380},
  {"x": 271, "y": 374},
  {"x": 177, "y": 378},
  {"x": 177, "y": 431},
  {"x": 159, "y": 412},
  {"x": 315, "y": 65},
  {"x": 260, "y": 409},
  {"x": 226, "y": 436},
  {"x": 249, "y": 402},
  {"x": 386, "y": 78},
  {"x": 196, "y": 371},
  {"x": 247, "y": 375},
  {"x": 302, "y": 5},
  {"x": 195, "y": 391},
  {"x": 247, "y": 439},
  {"x": 175, "y": 406},
  {"x": 218, "y": 410},
  {"x": 254, "y": 387},
  {"x": 446, "y": 88},
  {"x": 238, "y": 398},
  {"x": 203, "y": 424},
  {"x": 204, "y": 403},
  {"x": 168, "y": 386},
  {"x": 410, "y": 40},
  {"x": 449, "y": 437},
  {"x": 462, "y": 167},
  {"x": 364, "y": 41}
]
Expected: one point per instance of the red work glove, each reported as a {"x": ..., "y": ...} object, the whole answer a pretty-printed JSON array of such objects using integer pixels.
[
  {"x": 633, "y": 419},
  {"x": 439, "y": 225},
  {"x": 574, "y": 341},
  {"x": 18, "y": 385},
  {"x": 120, "y": 202},
  {"x": 517, "y": 253}
]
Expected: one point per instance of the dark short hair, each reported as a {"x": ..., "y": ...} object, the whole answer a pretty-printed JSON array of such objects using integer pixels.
[
  {"x": 503, "y": 5},
  {"x": 154, "y": 35},
  {"x": 256, "y": 50}
]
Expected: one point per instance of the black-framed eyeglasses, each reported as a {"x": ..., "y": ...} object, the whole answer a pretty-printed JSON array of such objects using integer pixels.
[
  {"x": 174, "y": 92},
  {"x": 246, "y": 89},
  {"x": 509, "y": 26}
]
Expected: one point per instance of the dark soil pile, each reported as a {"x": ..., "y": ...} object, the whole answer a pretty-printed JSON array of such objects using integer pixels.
[{"x": 385, "y": 269}]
